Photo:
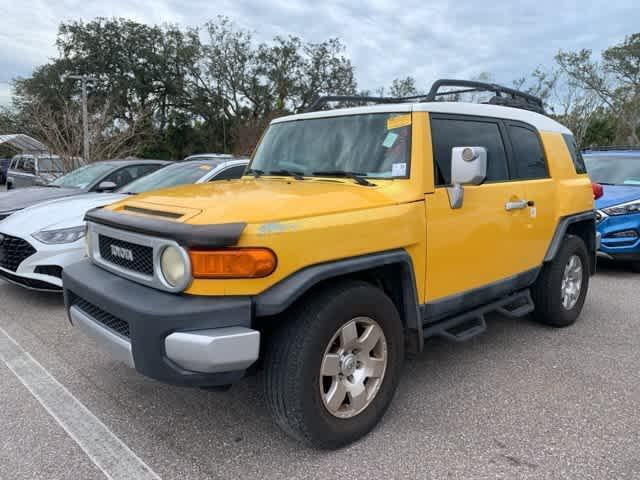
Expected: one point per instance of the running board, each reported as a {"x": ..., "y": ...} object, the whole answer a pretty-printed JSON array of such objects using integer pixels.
[{"x": 469, "y": 324}]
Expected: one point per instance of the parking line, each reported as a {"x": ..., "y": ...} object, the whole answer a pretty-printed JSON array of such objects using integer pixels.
[{"x": 106, "y": 451}]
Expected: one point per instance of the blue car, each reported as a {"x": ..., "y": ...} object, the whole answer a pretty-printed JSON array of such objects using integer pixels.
[{"x": 618, "y": 209}]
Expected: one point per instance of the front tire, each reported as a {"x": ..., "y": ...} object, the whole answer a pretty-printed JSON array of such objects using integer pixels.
[
  {"x": 332, "y": 367},
  {"x": 561, "y": 288}
]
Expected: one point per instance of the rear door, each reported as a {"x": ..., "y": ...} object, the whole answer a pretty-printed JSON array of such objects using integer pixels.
[
  {"x": 477, "y": 245},
  {"x": 529, "y": 169}
]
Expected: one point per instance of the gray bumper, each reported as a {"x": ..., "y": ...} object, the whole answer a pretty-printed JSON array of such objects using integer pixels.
[{"x": 178, "y": 339}]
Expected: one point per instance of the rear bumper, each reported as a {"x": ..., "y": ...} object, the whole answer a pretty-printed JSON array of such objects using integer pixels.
[{"x": 177, "y": 339}]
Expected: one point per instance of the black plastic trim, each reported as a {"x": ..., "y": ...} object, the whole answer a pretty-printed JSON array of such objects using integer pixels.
[
  {"x": 30, "y": 283},
  {"x": 461, "y": 302},
  {"x": 281, "y": 295},
  {"x": 152, "y": 315},
  {"x": 203, "y": 236},
  {"x": 561, "y": 230}
]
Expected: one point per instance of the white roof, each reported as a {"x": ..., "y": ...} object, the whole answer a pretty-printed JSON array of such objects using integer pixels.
[
  {"x": 23, "y": 143},
  {"x": 540, "y": 122}
]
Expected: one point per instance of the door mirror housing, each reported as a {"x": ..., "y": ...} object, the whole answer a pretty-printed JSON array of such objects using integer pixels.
[
  {"x": 106, "y": 187},
  {"x": 468, "y": 167}
]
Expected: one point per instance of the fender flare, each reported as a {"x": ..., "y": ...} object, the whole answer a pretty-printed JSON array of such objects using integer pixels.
[
  {"x": 561, "y": 231},
  {"x": 281, "y": 296}
]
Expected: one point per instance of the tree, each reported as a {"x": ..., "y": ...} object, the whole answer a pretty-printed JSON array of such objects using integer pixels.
[
  {"x": 615, "y": 80},
  {"x": 403, "y": 87},
  {"x": 60, "y": 128}
]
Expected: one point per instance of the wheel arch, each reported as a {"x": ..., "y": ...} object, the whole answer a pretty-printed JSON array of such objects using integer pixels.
[
  {"x": 582, "y": 225},
  {"x": 391, "y": 270}
]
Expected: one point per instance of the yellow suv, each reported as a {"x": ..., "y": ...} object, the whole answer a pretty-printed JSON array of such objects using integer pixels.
[{"x": 355, "y": 234}]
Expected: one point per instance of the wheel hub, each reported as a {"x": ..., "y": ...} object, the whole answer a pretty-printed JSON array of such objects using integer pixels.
[
  {"x": 571, "y": 284},
  {"x": 353, "y": 367},
  {"x": 348, "y": 364}
]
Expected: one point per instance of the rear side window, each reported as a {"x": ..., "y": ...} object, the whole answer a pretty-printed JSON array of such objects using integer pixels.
[
  {"x": 230, "y": 173},
  {"x": 576, "y": 156},
  {"x": 448, "y": 133},
  {"x": 528, "y": 157}
]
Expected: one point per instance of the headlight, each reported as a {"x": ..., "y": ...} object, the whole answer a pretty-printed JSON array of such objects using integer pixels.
[
  {"x": 623, "y": 208},
  {"x": 173, "y": 265},
  {"x": 63, "y": 235}
]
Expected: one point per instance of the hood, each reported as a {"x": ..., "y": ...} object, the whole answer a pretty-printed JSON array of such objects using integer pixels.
[
  {"x": 263, "y": 199},
  {"x": 24, "y": 197},
  {"x": 54, "y": 214},
  {"x": 617, "y": 194}
]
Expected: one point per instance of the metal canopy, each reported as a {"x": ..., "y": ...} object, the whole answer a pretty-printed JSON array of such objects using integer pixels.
[{"x": 23, "y": 143}]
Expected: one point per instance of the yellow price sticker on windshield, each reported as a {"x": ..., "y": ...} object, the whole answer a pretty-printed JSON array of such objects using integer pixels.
[
  {"x": 205, "y": 167},
  {"x": 398, "y": 121}
]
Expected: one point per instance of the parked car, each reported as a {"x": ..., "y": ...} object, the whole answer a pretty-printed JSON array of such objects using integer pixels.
[
  {"x": 104, "y": 176},
  {"x": 26, "y": 170},
  {"x": 41, "y": 241},
  {"x": 363, "y": 231},
  {"x": 617, "y": 169},
  {"x": 211, "y": 156}
]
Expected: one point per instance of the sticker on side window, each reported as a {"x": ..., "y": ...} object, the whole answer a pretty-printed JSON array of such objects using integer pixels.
[
  {"x": 389, "y": 140},
  {"x": 398, "y": 121},
  {"x": 399, "y": 170}
]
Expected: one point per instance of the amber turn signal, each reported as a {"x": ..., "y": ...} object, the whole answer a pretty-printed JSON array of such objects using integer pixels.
[{"x": 232, "y": 263}]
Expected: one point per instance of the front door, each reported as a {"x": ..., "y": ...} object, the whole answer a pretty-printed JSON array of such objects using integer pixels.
[{"x": 479, "y": 246}]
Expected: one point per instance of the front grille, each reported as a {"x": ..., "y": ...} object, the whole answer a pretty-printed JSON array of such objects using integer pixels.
[
  {"x": 138, "y": 258},
  {"x": 13, "y": 251},
  {"x": 121, "y": 327}
]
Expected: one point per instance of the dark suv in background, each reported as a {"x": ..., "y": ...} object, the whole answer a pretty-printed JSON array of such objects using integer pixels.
[{"x": 4, "y": 166}]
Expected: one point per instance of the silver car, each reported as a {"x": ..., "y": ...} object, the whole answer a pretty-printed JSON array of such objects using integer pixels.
[{"x": 26, "y": 170}]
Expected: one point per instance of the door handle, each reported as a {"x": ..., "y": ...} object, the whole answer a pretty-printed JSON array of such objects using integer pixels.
[{"x": 517, "y": 205}]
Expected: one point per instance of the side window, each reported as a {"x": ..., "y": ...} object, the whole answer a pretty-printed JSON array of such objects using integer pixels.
[
  {"x": 17, "y": 164},
  {"x": 448, "y": 133},
  {"x": 128, "y": 174},
  {"x": 529, "y": 161},
  {"x": 229, "y": 173},
  {"x": 576, "y": 156},
  {"x": 29, "y": 165}
]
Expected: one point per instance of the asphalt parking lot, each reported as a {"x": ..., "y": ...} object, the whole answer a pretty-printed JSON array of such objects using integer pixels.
[{"x": 520, "y": 401}]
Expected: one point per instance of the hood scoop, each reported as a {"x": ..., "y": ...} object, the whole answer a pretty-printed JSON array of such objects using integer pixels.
[{"x": 152, "y": 213}]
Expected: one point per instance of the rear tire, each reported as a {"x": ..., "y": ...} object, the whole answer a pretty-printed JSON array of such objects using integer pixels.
[
  {"x": 561, "y": 288},
  {"x": 324, "y": 380},
  {"x": 635, "y": 266}
]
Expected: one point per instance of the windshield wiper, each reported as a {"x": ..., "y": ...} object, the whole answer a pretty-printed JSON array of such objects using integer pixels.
[
  {"x": 255, "y": 172},
  {"x": 358, "y": 177},
  {"x": 287, "y": 173}
]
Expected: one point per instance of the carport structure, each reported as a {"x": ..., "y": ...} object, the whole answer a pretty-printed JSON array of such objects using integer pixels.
[{"x": 23, "y": 143}]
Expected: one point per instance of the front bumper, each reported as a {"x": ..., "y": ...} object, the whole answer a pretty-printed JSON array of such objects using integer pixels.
[
  {"x": 36, "y": 273},
  {"x": 619, "y": 248},
  {"x": 178, "y": 339}
]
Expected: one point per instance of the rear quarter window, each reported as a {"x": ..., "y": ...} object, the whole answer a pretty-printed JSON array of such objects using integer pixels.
[{"x": 576, "y": 156}]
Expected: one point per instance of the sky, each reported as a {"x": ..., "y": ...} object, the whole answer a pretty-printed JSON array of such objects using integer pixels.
[{"x": 385, "y": 39}]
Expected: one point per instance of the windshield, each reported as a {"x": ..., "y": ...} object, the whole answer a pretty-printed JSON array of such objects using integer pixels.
[
  {"x": 374, "y": 145},
  {"x": 83, "y": 176},
  {"x": 48, "y": 164},
  {"x": 171, "y": 176},
  {"x": 613, "y": 170}
]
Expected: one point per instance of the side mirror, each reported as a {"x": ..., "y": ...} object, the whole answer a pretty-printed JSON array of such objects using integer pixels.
[
  {"x": 106, "y": 187},
  {"x": 468, "y": 167}
]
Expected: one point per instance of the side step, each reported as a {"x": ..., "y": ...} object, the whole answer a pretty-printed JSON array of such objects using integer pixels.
[{"x": 464, "y": 326}]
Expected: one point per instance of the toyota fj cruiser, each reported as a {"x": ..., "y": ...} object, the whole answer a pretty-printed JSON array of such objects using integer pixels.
[{"x": 355, "y": 234}]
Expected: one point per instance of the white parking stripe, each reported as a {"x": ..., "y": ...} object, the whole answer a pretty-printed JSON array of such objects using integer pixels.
[{"x": 108, "y": 452}]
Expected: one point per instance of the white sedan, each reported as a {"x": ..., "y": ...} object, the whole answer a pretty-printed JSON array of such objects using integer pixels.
[{"x": 37, "y": 243}]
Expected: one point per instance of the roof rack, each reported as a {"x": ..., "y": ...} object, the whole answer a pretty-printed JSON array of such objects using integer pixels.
[
  {"x": 504, "y": 96},
  {"x": 608, "y": 148}
]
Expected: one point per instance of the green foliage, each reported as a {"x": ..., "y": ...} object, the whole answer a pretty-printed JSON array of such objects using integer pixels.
[{"x": 195, "y": 95}]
